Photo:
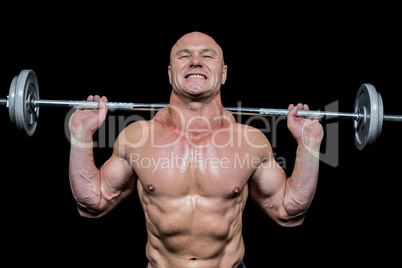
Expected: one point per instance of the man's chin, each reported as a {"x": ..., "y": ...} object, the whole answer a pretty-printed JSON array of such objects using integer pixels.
[{"x": 196, "y": 93}]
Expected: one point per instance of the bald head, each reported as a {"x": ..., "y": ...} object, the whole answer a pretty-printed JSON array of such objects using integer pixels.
[
  {"x": 193, "y": 40},
  {"x": 196, "y": 70}
]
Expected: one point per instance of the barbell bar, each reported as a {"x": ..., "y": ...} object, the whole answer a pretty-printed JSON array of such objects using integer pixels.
[{"x": 23, "y": 105}]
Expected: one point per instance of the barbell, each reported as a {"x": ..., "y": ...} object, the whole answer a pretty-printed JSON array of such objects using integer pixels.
[{"x": 23, "y": 105}]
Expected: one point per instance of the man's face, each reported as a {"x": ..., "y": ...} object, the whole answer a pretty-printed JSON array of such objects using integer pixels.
[{"x": 196, "y": 66}]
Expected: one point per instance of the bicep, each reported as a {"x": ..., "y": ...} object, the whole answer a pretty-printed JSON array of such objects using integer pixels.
[
  {"x": 268, "y": 186},
  {"x": 117, "y": 177},
  {"x": 268, "y": 182}
]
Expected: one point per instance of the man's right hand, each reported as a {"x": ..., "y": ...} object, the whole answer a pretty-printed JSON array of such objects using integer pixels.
[{"x": 84, "y": 123}]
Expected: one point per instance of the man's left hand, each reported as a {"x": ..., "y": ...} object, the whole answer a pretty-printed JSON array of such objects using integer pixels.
[{"x": 304, "y": 130}]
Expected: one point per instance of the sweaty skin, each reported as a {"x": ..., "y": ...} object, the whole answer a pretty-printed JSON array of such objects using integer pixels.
[{"x": 194, "y": 166}]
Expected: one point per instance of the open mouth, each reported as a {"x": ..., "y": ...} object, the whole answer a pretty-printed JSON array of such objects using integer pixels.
[{"x": 195, "y": 76}]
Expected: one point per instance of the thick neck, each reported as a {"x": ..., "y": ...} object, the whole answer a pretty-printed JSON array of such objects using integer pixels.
[{"x": 192, "y": 116}]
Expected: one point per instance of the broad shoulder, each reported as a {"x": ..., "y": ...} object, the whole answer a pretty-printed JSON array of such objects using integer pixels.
[
  {"x": 135, "y": 134},
  {"x": 253, "y": 136}
]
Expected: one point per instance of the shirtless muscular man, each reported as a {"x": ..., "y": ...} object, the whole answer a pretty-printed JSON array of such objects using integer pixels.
[{"x": 194, "y": 166}]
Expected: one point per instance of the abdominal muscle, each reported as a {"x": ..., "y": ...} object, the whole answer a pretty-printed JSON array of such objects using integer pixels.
[{"x": 193, "y": 230}]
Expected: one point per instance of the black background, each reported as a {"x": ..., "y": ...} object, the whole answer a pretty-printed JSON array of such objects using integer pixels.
[{"x": 276, "y": 56}]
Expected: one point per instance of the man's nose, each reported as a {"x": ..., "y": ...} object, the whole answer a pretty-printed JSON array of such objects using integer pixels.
[{"x": 196, "y": 61}]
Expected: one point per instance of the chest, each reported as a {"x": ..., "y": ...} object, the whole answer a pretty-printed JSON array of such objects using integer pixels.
[{"x": 210, "y": 164}]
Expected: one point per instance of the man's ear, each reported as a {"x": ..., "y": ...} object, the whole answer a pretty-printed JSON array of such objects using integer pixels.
[
  {"x": 224, "y": 74},
  {"x": 170, "y": 74}
]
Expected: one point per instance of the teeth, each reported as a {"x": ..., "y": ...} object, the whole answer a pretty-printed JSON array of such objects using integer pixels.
[{"x": 196, "y": 76}]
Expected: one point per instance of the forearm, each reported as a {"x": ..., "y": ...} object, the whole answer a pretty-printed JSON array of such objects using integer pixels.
[
  {"x": 84, "y": 175},
  {"x": 301, "y": 185}
]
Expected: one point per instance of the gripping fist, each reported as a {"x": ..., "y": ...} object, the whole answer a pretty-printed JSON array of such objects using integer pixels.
[
  {"x": 84, "y": 123},
  {"x": 303, "y": 130}
]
